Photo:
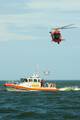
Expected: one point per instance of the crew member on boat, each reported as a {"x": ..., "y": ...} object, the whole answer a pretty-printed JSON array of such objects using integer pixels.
[{"x": 42, "y": 83}]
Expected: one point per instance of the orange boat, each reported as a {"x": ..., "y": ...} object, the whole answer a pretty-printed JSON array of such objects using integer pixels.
[{"x": 33, "y": 83}]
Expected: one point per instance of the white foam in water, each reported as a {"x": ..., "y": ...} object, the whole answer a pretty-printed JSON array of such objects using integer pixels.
[{"x": 70, "y": 89}]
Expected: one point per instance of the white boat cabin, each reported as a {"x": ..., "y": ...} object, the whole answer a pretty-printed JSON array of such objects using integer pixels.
[{"x": 33, "y": 81}]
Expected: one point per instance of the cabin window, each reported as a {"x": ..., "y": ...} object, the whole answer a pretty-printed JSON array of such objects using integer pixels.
[
  {"x": 23, "y": 80},
  {"x": 38, "y": 80},
  {"x": 30, "y": 80},
  {"x": 35, "y": 80},
  {"x": 26, "y": 80}
]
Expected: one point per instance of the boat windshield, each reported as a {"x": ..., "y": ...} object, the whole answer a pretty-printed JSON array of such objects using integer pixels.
[{"x": 23, "y": 80}]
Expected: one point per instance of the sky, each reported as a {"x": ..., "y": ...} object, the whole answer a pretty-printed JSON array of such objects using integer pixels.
[{"x": 25, "y": 42}]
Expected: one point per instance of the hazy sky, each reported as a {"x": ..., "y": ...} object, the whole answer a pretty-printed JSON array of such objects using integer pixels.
[{"x": 25, "y": 42}]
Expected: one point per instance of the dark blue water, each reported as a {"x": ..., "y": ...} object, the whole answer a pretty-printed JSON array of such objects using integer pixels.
[{"x": 61, "y": 105}]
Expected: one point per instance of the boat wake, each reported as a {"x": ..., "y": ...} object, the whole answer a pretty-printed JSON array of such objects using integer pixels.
[{"x": 76, "y": 88}]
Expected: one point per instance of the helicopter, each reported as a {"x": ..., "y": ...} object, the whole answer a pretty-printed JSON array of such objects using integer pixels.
[{"x": 56, "y": 33}]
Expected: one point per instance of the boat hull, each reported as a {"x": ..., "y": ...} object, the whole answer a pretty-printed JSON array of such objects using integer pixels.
[{"x": 19, "y": 87}]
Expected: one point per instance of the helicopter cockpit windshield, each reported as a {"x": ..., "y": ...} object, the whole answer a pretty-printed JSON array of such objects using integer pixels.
[{"x": 56, "y": 35}]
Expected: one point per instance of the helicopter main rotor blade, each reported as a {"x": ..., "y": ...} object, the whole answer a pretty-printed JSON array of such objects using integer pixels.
[
  {"x": 70, "y": 26},
  {"x": 66, "y": 26}
]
